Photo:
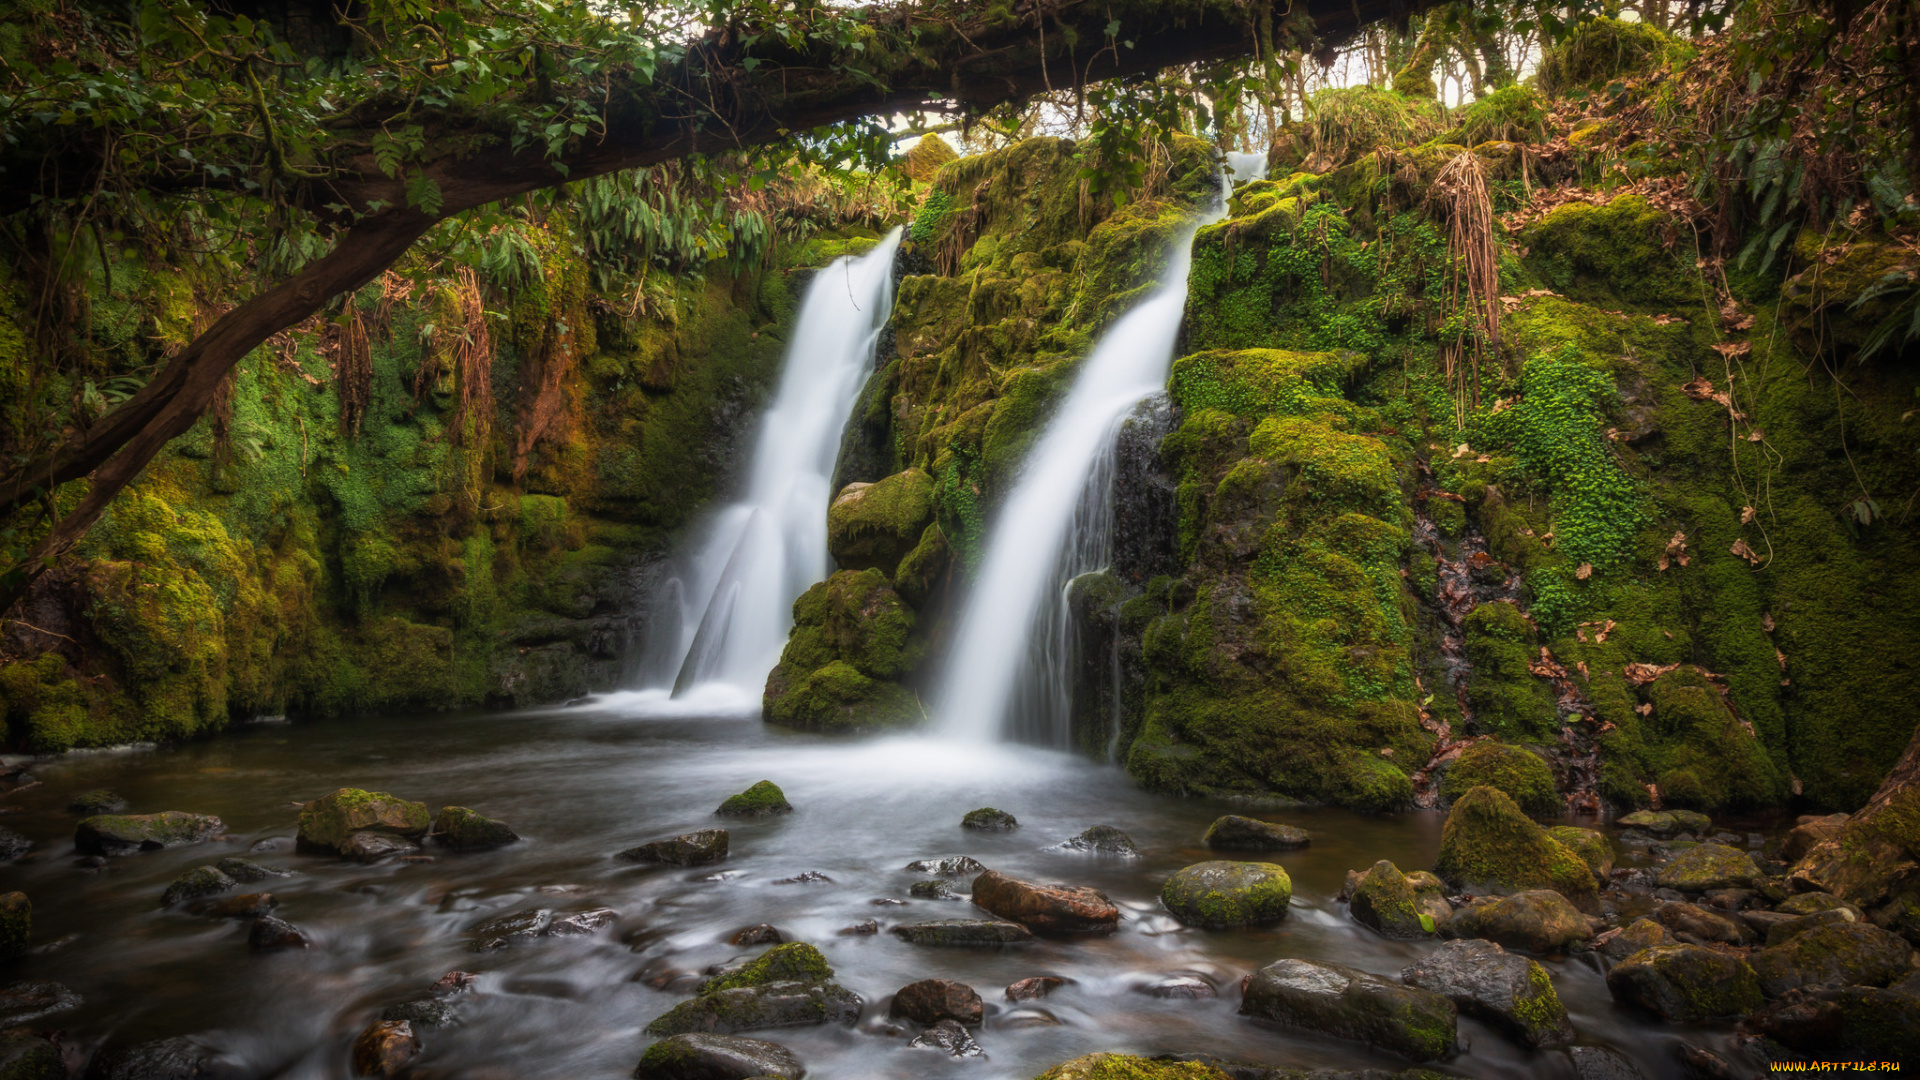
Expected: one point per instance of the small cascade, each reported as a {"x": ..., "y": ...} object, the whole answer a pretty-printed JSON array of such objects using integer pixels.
[
  {"x": 1011, "y": 670},
  {"x": 1244, "y": 168},
  {"x": 720, "y": 618}
]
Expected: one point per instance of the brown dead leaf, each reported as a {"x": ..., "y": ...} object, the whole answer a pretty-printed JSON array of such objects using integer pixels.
[
  {"x": 1782, "y": 657},
  {"x": 1642, "y": 674},
  {"x": 1766, "y": 621},
  {"x": 1676, "y": 551},
  {"x": 1546, "y": 667},
  {"x": 1644, "y": 709},
  {"x": 1699, "y": 388},
  {"x": 1747, "y": 514},
  {"x": 1604, "y": 728},
  {"x": 1669, "y": 634},
  {"x": 1605, "y": 629},
  {"x": 1668, "y": 320},
  {"x": 1585, "y": 571},
  {"x": 1733, "y": 349},
  {"x": 1582, "y": 665},
  {"x": 1741, "y": 549},
  {"x": 1756, "y": 435},
  {"x": 1386, "y": 751}
]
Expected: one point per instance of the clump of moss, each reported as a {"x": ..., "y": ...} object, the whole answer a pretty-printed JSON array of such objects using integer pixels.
[
  {"x": 761, "y": 800},
  {"x": 926, "y": 157},
  {"x": 1128, "y": 1067},
  {"x": 1349, "y": 121},
  {"x": 795, "y": 961},
  {"x": 876, "y": 525},
  {"x": 853, "y": 638},
  {"x": 1510, "y": 114},
  {"x": 1599, "y": 50},
  {"x": 326, "y": 823},
  {"x": 1488, "y": 844},
  {"x": 1520, "y": 773},
  {"x": 1625, "y": 251}
]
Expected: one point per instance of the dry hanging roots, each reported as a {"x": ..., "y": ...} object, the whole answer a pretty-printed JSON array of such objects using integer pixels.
[
  {"x": 472, "y": 364},
  {"x": 352, "y": 354},
  {"x": 1474, "y": 285}
]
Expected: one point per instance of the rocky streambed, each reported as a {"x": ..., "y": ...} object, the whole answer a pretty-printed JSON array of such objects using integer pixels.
[{"x": 591, "y": 891}]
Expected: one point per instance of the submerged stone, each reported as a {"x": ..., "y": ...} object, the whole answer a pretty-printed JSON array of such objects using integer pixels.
[
  {"x": 1055, "y": 908},
  {"x": 1105, "y": 840},
  {"x": 97, "y": 801},
  {"x": 465, "y": 830},
  {"x": 689, "y": 849},
  {"x": 32, "y": 999},
  {"x": 1351, "y": 1004},
  {"x": 950, "y": 866},
  {"x": 196, "y": 883},
  {"x": 269, "y": 933},
  {"x": 328, "y": 823},
  {"x": 1666, "y": 822},
  {"x": 368, "y": 846},
  {"x": 934, "y": 889},
  {"x": 128, "y": 834},
  {"x": 950, "y": 1037},
  {"x": 1485, "y": 980},
  {"x": 930, "y": 1001},
  {"x": 965, "y": 932},
  {"x": 1034, "y": 988},
  {"x": 988, "y": 819},
  {"x": 769, "y": 1005},
  {"x": 1218, "y": 895},
  {"x": 1232, "y": 832},
  {"x": 178, "y": 1058},
  {"x": 700, "y": 1056},
  {"x": 13, "y": 845},
  {"x": 246, "y": 871}
]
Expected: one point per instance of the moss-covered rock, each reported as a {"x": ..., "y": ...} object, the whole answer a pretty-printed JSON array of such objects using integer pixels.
[
  {"x": 1667, "y": 822},
  {"x": 763, "y": 799},
  {"x": 128, "y": 834},
  {"x": 1218, "y": 895},
  {"x": 793, "y": 962},
  {"x": 761, "y": 1007},
  {"x": 927, "y": 155},
  {"x": 1709, "y": 866},
  {"x": 702, "y": 1056},
  {"x": 1592, "y": 845},
  {"x": 853, "y": 638},
  {"x": 466, "y": 830},
  {"x": 874, "y": 526},
  {"x": 1128, "y": 1067},
  {"x": 1488, "y": 845},
  {"x": 1349, "y": 1004},
  {"x": 1520, "y": 773},
  {"x": 1483, "y": 979},
  {"x": 1859, "y": 1023},
  {"x": 1642, "y": 933},
  {"x": 196, "y": 883},
  {"x": 989, "y": 819},
  {"x": 28, "y": 1055},
  {"x": 1537, "y": 921},
  {"x": 1386, "y": 901},
  {"x": 1687, "y": 983},
  {"x": 1233, "y": 832},
  {"x": 328, "y": 822},
  {"x": 1835, "y": 955}
]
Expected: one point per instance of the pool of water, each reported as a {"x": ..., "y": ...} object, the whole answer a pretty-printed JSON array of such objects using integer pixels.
[{"x": 582, "y": 783}]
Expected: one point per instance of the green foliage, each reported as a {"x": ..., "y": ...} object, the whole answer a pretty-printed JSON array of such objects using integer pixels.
[
  {"x": 1599, "y": 50},
  {"x": 1510, "y": 114},
  {"x": 1349, "y": 121}
]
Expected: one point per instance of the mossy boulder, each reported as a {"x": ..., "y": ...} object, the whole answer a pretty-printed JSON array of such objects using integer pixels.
[
  {"x": 853, "y": 639},
  {"x": 329, "y": 822},
  {"x": 923, "y": 571},
  {"x": 926, "y": 156},
  {"x": 874, "y": 526},
  {"x": 1591, "y": 845},
  {"x": 696, "y": 848},
  {"x": 1386, "y": 901},
  {"x": 128, "y": 834},
  {"x": 988, "y": 819},
  {"x": 1687, "y": 983},
  {"x": 1642, "y": 933},
  {"x": 29, "y": 1055},
  {"x": 1834, "y": 955},
  {"x": 196, "y": 883},
  {"x": 763, "y": 799},
  {"x": 1861, "y": 1023},
  {"x": 1667, "y": 822},
  {"x": 1347, "y": 1003},
  {"x": 1614, "y": 253},
  {"x": 466, "y": 830},
  {"x": 965, "y": 933},
  {"x": 16, "y": 923},
  {"x": 793, "y": 962},
  {"x": 1489, "y": 845},
  {"x": 1511, "y": 992},
  {"x": 697, "y": 1056},
  {"x": 1710, "y": 866},
  {"x": 1129, "y": 1067},
  {"x": 1537, "y": 921},
  {"x": 752, "y": 1008},
  {"x": 1219, "y": 894},
  {"x": 1598, "y": 49},
  {"x": 97, "y": 801},
  {"x": 1520, "y": 773},
  {"x": 1232, "y": 832}
]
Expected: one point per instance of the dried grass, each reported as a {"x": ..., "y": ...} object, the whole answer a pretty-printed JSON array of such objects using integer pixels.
[{"x": 1473, "y": 288}]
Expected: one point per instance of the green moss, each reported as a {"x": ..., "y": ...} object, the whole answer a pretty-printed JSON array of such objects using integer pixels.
[
  {"x": 1621, "y": 252},
  {"x": 1514, "y": 113},
  {"x": 1521, "y": 774},
  {"x": 1128, "y": 1067},
  {"x": 1489, "y": 844},
  {"x": 1591, "y": 845},
  {"x": 763, "y": 798},
  {"x": 326, "y": 823},
  {"x": 878, "y": 524},
  {"x": 1598, "y": 50},
  {"x": 795, "y": 961}
]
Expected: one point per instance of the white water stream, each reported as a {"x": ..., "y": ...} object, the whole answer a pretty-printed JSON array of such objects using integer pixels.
[
  {"x": 723, "y": 615},
  {"x": 1009, "y": 658}
]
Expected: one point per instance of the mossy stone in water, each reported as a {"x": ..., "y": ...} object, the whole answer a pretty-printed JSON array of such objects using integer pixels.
[
  {"x": 1128, "y": 1067},
  {"x": 1520, "y": 773},
  {"x": 26, "y": 1055},
  {"x": 196, "y": 883},
  {"x": 1385, "y": 900},
  {"x": 702, "y": 1056},
  {"x": 1489, "y": 845},
  {"x": 1687, "y": 983},
  {"x": 1642, "y": 933},
  {"x": 1220, "y": 894},
  {"x": 1709, "y": 866},
  {"x": 749, "y": 1008},
  {"x": 793, "y": 962},
  {"x": 1235, "y": 833},
  {"x": 763, "y": 799},
  {"x": 465, "y": 830},
  {"x": 327, "y": 823},
  {"x": 987, "y": 819},
  {"x": 16, "y": 923},
  {"x": 127, "y": 834},
  {"x": 1837, "y": 954},
  {"x": 1591, "y": 845},
  {"x": 1350, "y": 1004},
  {"x": 1538, "y": 921},
  {"x": 1667, "y": 822},
  {"x": 872, "y": 526},
  {"x": 97, "y": 801},
  {"x": 1510, "y": 991}
]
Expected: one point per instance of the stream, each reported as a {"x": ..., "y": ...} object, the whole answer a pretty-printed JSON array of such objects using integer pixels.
[{"x": 584, "y": 782}]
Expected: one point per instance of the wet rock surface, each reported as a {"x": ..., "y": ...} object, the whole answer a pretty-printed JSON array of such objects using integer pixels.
[
  {"x": 1483, "y": 979},
  {"x": 13, "y": 845},
  {"x": 688, "y": 849},
  {"x": 988, "y": 819},
  {"x": 1833, "y": 956},
  {"x": 948, "y": 1037},
  {"x": 1049, "y": 908},
  {"x": 1218, "y": 895},
  {"x": 1235, "y": 833},
  {"x": 1538, "y": 921},
  {"x": 1686, "y": 983},
  {"x": 196, "y": 883},
  {"x": 462, "y": 829},
  {"x": 130, "y": 834},
  {"x": 22, "y": 1002},
  {"x": 329, "y": 823},
  {"x": 764, "y": 799},
  {"x": 930, "y": 1001},
  {"x": 1386, "y": 900},
  {"x": 965, "y": 932},
  {"x": 1352, "y": 1004},
  {"x": 766, "y": 1006},
  {"x": 702, "y": 1056},
  {"x": 97, "y": 801},
  {"x": 950, "y": 866},
  {"x": 385, "y": 1048},
  {"x": 1034, "y": 988},
  {"x": 1709, "y": 866},
  {"x": 1102, "y": 840},
  {"x": 269, "y": 933}
]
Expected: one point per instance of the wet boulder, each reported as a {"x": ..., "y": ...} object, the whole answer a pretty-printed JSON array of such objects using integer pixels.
[
  {"x": 1102, "y": 840},
  {"x": 700, "y": 1056},
  {"x": 1686, "y": 983},
  {"x": 949, "y": 1037},
  {"x": 28, "y": 1055},
  {"x": 13, "y": 845},
  {"x": 1622, "y": 942},
  {"x": 1538, "y": 921},
  {"x": 247, "y": 872},
  {"x": 1696, "y": 925},
  {"x": 1591, "y": 845},
  {"x": 1386, "y": 900},
  {"x": 1849, "y": 1022},
  {"x": 465, "y": 830},
  {"x": 935, "y": 889},
  {"x": 1839, "y": 954},
  {"x": 243, "y": 906},
  {"x": 1709, "y": 866},
  {"x": 1488, "y": 845},
  {"x": 793, "y": 962},
  {"x": 196, "y": 883},
  {"x": 758, "y": 934},
  {"x": 1218, "y": 895},
  {"x": 764, "y": 799},
  {"x": 368, "y": 846},
  {"x": 1786, "y": 930},
  {"x": 988, "y": 819},
  {"x": 689, "y": 849},
  {"x": 1807, "y": 835},
  {"x": 97, "y": 801},
  {"x": 1178, "y": 986},
  {"x": 1511, "y": 992},
  {"x": 16, "y": 923},
  {"x": 965, "y": 932},
  {"x": 876, "y": 525},
  {"x": 178, "y": 1058},
  {"x": 581, "y": 923},
  {"x": 1231, "y": 832},
  {"x": 1034, "y": 988},
  {"x": 130, "y": 834},
  {"x": 269, "y": 934},
  {"x": 1603, "y": 1063},
  {"x": 1350, "y": 1004},
  {"x": 930, "y": 1001},
  {"x": 1105, "y": 1066},
  {"x": 330, "y": 821},
  {"x": 498, "y": 933},
  {"x": 421, "y": 1012},
  {"x": 950, "y": 866},
  {"x": 1667, "y": 823},
  {"x": 385, "y": 1048},
  {"x": 1522, "y": 774},
  {"x": 854, "y": 638},
  {"x": 760, "y": 1007},
  {"x": 1054, "y": 908},
  {"x": 22, "y": 1002},
  {"x": 1811, "y": 903}
]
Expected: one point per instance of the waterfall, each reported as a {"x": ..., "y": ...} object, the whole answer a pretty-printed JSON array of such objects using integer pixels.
[
  {"x": 1243, "y": 168},
  {"x": 1009, "y": 672},
  {"x": 721, "y": 618}
]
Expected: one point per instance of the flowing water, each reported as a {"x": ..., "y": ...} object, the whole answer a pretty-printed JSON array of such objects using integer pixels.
[
  {"x": 1007, "y": 674},
  {"x": 721, "y": 619},
  {"x": 582, "y": 783}
]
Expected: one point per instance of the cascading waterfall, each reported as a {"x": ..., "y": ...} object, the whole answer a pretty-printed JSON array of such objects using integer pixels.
[
  {"x": 721, "y": 619},
  {"x": 1012, "y": 646}
]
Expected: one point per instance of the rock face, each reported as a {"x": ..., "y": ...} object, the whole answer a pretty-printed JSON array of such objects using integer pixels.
[
  {"x": 1809, "y": 835},
  {"x": 329, "y": 822},
  {"x": 930, "y": 1001},
  {"x": 987, "y": 819},
  {"x": 1698, "y": 926},
  {"x": 1510, "y": 991},
  {"x": 385, "y": 1048},
  {"x": 196, "y": 883},
  {"x": 1350, "y": 1004},
  {"x": 465, "y": 830},
  {"x": 1232, "y": 832},
  {"x": 1686, "y": 983},
  {"x": 764, "y": 799},
  {"x": 1539, "y": 921},
  {"x": 698, "y": 1056},
  {"x": 689, "y": 849},
  {"x": 874, "y": 526},
  {"x": 1053, "y": 908},
  {"x": 1488, "y": 845},
  {"x": 1709, "y": 866},
  {"x": 1387, "y": 901},
  {"x": 1218, "y": 895},
  {"x": 129, "y": 834},
  {"x": 965, "y": 932},
  {"x": 1831, "y": 956},
  {"x": 1104, "y": 840}
]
